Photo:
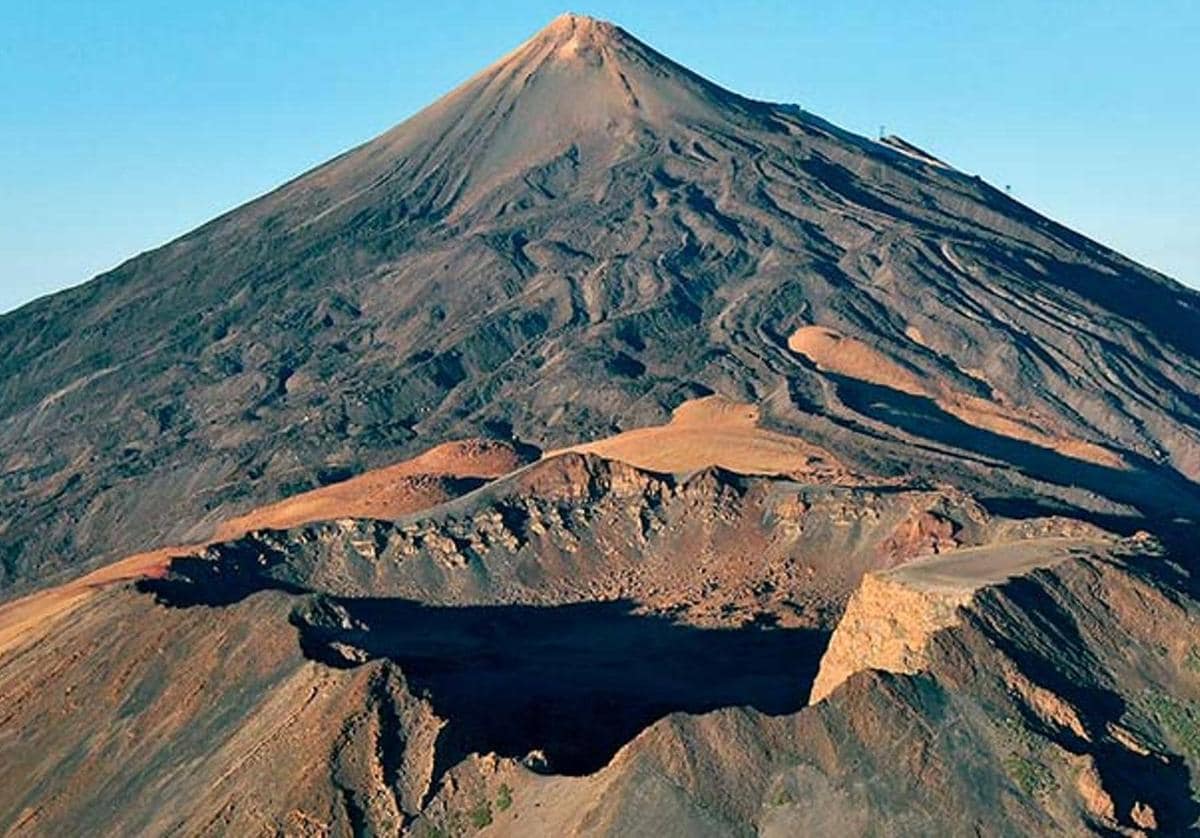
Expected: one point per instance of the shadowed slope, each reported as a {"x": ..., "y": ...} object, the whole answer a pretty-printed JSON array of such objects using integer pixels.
[
  {"x": 575, "y": 682},
  {"x": 1065, "y": 700}
]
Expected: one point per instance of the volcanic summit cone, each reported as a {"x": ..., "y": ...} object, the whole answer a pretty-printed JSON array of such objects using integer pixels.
[
  {"x": 574, "y": 241},
  {"x": 531, "y": 466}
]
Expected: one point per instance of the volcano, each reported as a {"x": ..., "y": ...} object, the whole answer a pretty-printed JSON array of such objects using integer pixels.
[{"x": 912, "y": 468}]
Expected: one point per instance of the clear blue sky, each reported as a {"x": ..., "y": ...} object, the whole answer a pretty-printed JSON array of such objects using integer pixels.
[{"x": 127, "y": 122}]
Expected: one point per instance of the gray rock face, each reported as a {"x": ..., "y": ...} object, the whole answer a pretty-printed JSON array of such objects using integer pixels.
[{"x": 579, "y": 238}]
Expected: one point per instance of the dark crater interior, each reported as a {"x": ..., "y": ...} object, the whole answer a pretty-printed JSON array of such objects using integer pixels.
[{"x": 575, "y": 682}]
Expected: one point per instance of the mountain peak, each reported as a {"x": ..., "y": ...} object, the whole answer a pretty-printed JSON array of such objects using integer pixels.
[
  {"x": 570, "y": 24},
  {"x": 572, "y": 35},
  {"x": 581, "y": 93},
  {"x": 881, "y": 374}
]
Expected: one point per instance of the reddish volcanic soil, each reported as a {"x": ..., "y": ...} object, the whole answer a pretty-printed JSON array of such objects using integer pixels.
[{"x": 427, "y": 480}]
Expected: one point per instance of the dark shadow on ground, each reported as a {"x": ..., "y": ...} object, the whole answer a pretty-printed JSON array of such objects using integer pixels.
[
  {"x": 575, "y": 682},
  {"x": 1163, "y": 781},
  {"x": 241, "y": 568},
  {"x": 1158, "y": 493}
]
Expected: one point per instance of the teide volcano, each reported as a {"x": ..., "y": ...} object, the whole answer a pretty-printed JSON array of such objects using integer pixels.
[
  {"x": 574, "y": 241},
  {"x": 587, "y": 377}
]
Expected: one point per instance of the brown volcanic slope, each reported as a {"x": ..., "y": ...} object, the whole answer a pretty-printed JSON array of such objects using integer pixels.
[
  {"x": 1031, "y": 714},
  {"x": 431, "y": 478},
  {"x": 584, "y": 647},
  {"x": 330, "y": 678},
  {"x": 570, "y": 244},
  {"x": 788, "y": 568}
]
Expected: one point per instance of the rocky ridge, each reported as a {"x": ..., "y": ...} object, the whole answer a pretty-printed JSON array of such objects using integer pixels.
[{"x": 866, "y": 502}]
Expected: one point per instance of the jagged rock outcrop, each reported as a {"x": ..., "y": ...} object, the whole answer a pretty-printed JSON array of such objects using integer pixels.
[
  {"x": 713, "y": 546},
  {"x": 1064, "y": 699},
  {"x": 890, "y": 620}
]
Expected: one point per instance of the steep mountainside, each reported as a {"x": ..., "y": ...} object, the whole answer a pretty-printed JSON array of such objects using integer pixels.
[
  {"x": 1063, "y": 702},
  {"x": 573, "y": 242},
  {"x": 599, "y": 452}
]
